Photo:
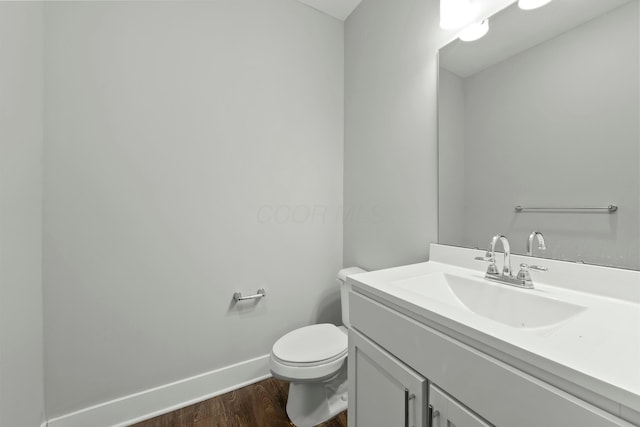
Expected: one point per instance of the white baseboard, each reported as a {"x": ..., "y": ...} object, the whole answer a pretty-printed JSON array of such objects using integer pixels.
[{"x": 160, "y": 400}]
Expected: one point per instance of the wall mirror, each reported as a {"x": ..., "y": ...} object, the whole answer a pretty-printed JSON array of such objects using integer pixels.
[{"x": 543, "y": 113}]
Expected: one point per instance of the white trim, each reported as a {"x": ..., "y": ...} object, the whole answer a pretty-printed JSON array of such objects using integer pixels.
[{"x": 160, "y": 400}]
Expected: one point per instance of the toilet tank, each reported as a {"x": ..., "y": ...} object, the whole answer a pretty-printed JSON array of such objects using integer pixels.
[{"x": 344, "y": 291}]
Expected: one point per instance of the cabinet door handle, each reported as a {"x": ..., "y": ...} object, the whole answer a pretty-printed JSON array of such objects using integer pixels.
[
  {"x": 407, "y": 398},
  {"x": 432, "y": 415}
]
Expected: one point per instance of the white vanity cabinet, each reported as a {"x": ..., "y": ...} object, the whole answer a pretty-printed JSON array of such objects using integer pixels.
[
  {"x": 391, "y": 350},
  {"x": 389, "y": 393},
  {"x": 444, "y": 411}
]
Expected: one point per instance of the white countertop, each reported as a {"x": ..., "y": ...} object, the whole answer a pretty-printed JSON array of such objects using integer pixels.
[{"x": 597, "y": 350}]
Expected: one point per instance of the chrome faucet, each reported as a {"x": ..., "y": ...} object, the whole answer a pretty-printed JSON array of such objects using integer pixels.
[
  {"x": 506, "y": 266},
  {"x": 524, "y": 274},
  {"x": 505, "y": 277},
  {"x": 541, "y": 244}
]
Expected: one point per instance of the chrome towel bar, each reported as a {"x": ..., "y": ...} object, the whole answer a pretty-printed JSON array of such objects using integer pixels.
[
  {"x": 608, "y": 209},
  {"x": 260, "y": 294}
]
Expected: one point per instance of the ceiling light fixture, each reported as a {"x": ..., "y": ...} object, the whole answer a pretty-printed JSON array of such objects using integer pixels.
[
  {"x": 455, "y": 14},
  {"x": 531, "y": 4},
  {"x": 474, "y": 31}
]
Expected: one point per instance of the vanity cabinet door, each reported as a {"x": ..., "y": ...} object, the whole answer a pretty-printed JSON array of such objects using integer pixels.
[
  {"x": 446, "y": 412},
  {"x": 383, "y": 392}
]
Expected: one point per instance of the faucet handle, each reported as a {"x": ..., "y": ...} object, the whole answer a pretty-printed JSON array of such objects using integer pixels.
[
  {"x": 525, "y": 267},
  {"x": 492, "y": 268},
  {"x": 524, "y": 275},
  {"x": 487, "y": 257}
]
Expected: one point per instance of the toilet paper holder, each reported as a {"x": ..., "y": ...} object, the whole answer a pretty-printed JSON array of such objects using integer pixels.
[{"x": 260, "y": 294}]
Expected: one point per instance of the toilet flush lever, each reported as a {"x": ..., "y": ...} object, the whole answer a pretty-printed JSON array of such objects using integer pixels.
[{"x": 260, "y": 294}]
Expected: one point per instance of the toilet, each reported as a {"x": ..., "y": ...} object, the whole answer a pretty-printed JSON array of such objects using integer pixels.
[{"x": 314, "y": 361}]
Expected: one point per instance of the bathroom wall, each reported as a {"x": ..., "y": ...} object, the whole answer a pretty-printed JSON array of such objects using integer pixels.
[
  {"x": 21, "y": 378},
  {"x": 451, "y": 169},
  {"x": 570, "y": 143},
  {"x": 194, "y": 149},
  {"x": 390, "y": 186}
]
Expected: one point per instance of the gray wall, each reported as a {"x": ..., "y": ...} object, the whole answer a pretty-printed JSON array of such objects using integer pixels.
[
  {"x": 390, "y": 182},
  {"x": 452, "y": 224},
  {"x": 573, "y": 142},
  {"x": 21, "y": 379},
  {"x": 194, "y": 149}
]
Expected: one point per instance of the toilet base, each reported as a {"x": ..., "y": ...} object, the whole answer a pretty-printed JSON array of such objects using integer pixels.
[{"x": 311, "y": 403}]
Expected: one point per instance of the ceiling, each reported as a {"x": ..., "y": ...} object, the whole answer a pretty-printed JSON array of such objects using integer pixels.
[
  {"x": 513, "y": 30},
  {"x": 339, "y": 9}
]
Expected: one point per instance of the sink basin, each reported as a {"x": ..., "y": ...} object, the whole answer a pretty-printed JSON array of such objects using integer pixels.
[{"x": 518, "y": 308}]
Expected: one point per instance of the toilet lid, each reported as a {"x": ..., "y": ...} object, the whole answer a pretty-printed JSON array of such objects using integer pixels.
[{"x": 310, "y": 344}]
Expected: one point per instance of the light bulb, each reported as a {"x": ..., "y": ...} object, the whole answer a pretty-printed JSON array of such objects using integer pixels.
[
  {"x": 474, "y": 31},
  {"x": 455, "y": 13},
  {"x": 531, "y": 4}
]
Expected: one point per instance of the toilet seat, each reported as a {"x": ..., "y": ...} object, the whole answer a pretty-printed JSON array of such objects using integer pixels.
[
  {"x": 309, "y": 353},
  {"x": 311, "y": 344}
]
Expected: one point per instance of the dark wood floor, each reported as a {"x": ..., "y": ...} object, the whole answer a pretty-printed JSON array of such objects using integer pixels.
[{"x": 259, "y": 405}]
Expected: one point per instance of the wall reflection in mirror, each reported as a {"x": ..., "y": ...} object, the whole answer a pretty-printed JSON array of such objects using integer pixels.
[{"x": 543, "y": 111}]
